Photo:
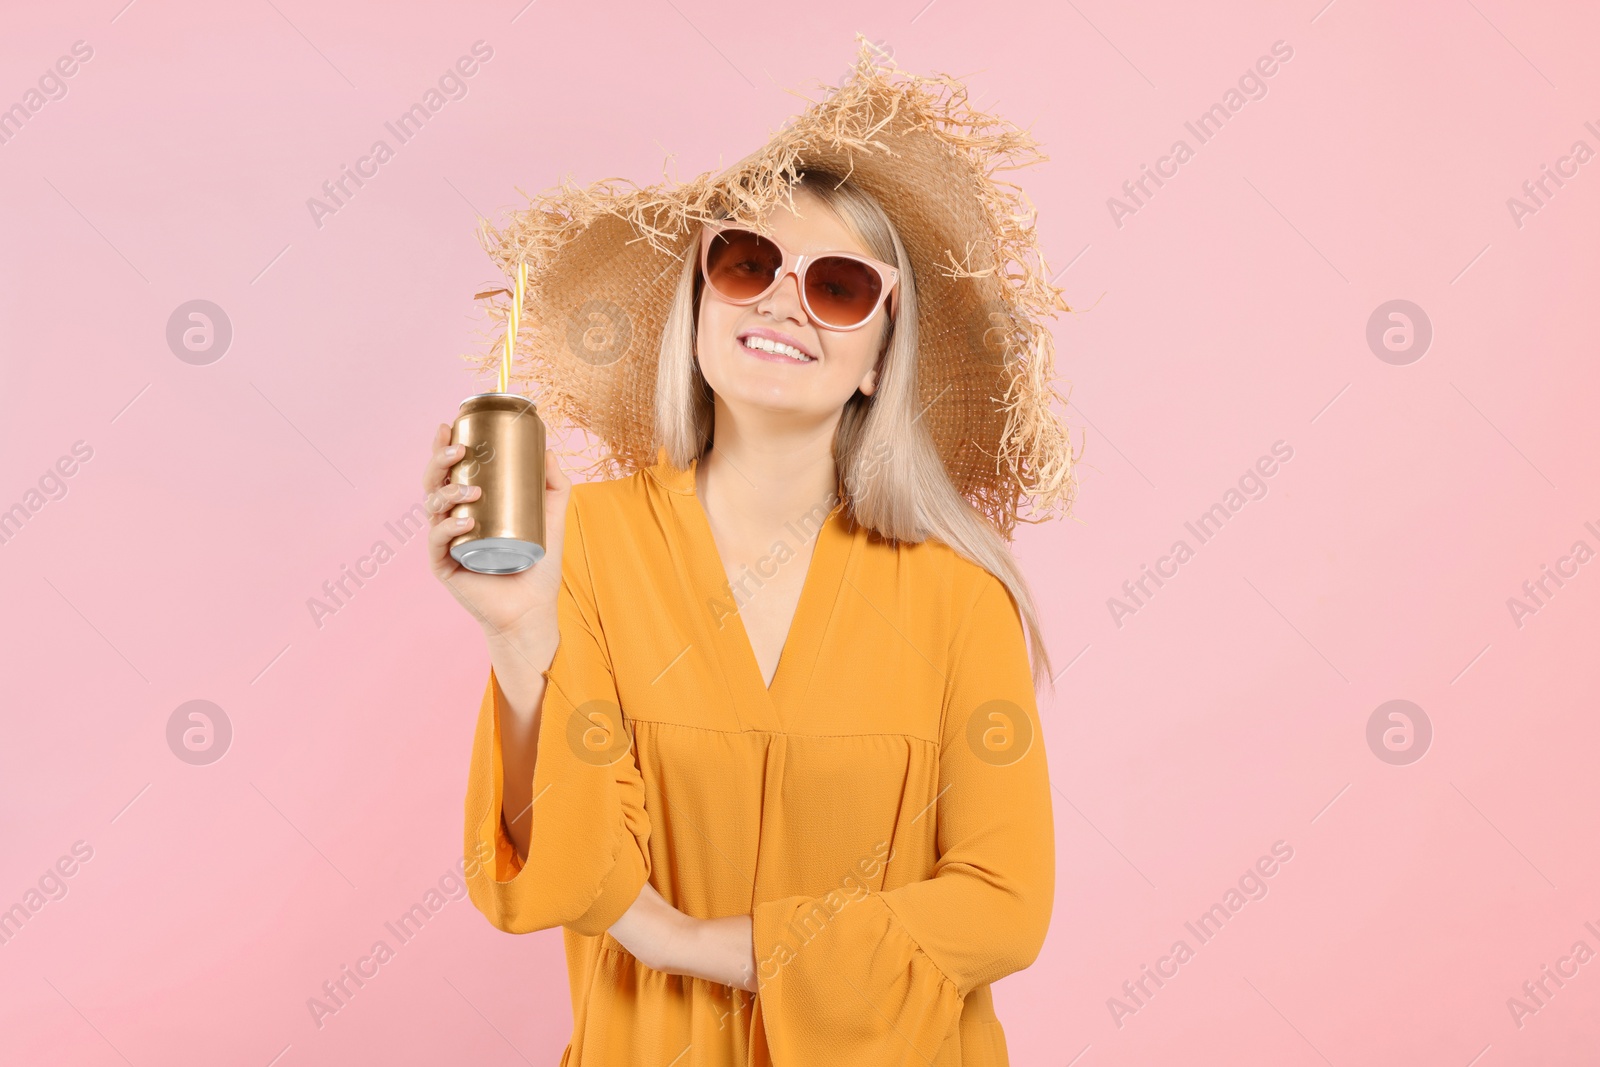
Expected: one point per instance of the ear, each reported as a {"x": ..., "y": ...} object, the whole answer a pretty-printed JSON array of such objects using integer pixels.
[{"x": 870, "y": 382}]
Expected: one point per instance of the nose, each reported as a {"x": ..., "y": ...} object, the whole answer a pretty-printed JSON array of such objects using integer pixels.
[{"x": 784, "y": 299}]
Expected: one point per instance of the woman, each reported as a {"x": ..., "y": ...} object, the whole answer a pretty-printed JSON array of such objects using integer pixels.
[{"x": 756, "y": 734}]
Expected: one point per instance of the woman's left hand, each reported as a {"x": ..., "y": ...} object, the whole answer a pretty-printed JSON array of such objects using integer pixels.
[{"x": 665, "y": 939}]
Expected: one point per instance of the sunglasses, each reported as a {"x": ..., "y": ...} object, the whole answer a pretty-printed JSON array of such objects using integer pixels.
[{"x": 839, "y": 290}]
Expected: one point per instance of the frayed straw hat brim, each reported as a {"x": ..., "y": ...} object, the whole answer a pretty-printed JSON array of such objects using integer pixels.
[{"x": 603, "y": 261}]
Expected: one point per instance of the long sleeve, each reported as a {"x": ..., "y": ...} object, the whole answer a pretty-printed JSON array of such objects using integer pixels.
[
  {"x": 588, "y": 853},
  {"x": 882, "y": 980}
]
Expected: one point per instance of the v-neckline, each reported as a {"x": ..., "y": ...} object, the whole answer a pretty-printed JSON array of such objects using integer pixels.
[{"x": 818, "y": 592}]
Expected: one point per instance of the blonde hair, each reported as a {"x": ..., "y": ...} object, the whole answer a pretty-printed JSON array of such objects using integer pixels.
[{"x": 894, "y": 481}]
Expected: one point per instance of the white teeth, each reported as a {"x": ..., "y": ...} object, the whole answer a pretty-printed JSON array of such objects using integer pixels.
[{"x": 774, "y": 346}]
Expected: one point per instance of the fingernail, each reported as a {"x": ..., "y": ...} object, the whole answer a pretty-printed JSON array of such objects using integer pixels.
[{"x": 463, "y": 521}]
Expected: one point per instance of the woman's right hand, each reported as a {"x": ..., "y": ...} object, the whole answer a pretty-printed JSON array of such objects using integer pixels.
[{"x": 519, "y": 608}]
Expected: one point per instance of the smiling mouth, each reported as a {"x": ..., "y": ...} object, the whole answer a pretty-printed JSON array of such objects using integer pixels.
[{"x": 774, "y": 350}]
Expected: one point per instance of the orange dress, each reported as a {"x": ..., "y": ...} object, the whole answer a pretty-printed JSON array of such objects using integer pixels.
[{"x": 882, "y": 811}]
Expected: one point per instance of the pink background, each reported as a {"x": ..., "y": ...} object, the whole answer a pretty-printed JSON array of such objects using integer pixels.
[{"x": 1229, "y": 312}]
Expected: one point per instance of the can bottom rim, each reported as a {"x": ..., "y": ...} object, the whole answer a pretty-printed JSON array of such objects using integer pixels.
[{"x": 497, "y": 555}]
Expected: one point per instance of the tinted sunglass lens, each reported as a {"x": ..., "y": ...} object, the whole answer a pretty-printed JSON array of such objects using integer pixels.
[
  {"x": 741, "y": 264},
  {"x": 842, "y": 291}
]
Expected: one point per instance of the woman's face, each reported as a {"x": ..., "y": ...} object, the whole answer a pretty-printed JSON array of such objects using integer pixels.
[{"x": 842, "y": 361}]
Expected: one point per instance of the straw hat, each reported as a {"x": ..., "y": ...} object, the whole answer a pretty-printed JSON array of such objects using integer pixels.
[{"x": 603, "y": 261}]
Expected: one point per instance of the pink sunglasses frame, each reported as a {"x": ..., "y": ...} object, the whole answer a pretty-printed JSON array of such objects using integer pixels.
[{"x": 797, "y": 264}]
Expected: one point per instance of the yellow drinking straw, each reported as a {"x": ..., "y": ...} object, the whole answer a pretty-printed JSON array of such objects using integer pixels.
[{"x": 513, "y": 322}]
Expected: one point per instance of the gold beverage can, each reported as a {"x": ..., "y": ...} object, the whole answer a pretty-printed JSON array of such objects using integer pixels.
[{"x": 504, "y": 439}]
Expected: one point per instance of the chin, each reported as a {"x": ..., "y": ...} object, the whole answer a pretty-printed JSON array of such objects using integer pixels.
[
  {"x": 775, "y": 397},
  {"x": 771, "y": 388},
  {"x": 765, "y": 393}
]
